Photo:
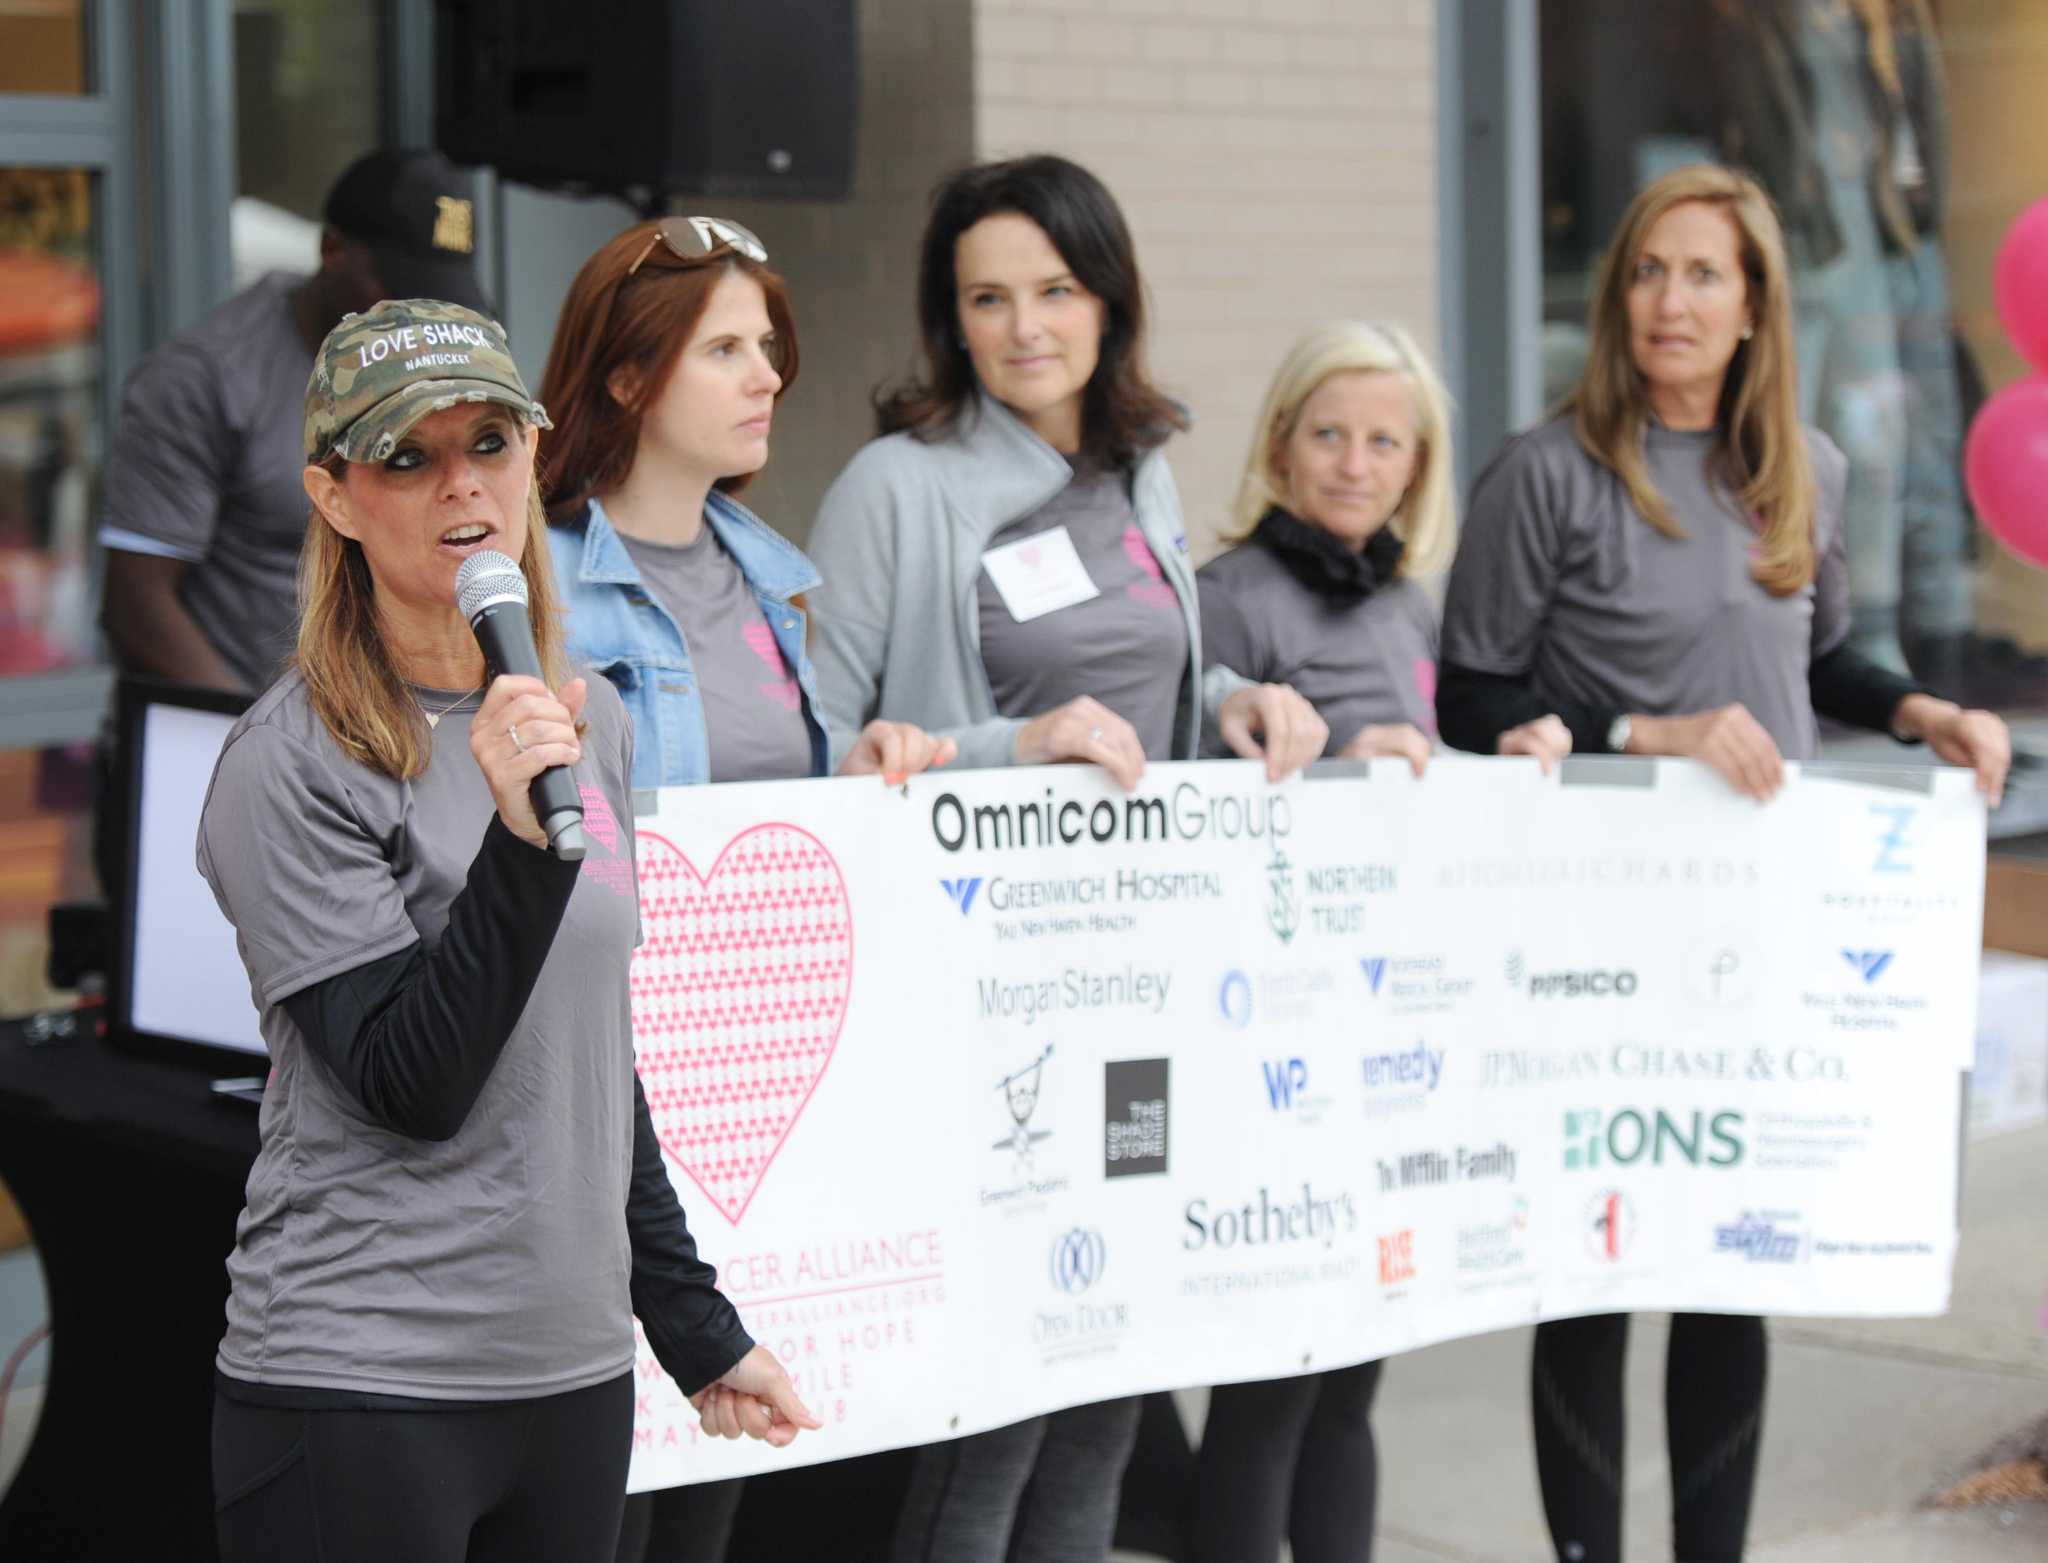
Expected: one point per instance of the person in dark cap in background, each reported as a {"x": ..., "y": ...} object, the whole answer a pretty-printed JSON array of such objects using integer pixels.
[{"x": 204, "y": 509}]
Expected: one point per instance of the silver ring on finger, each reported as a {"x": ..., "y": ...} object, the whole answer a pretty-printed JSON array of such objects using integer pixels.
[
  {"x": 512, "y": 732},
  {"x": 1095, "y": 735}
]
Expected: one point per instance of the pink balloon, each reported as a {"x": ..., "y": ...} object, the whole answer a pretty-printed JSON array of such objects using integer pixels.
[
  {"x": 2020, "y": 282},
  {"x": 2005, "y": 461}
]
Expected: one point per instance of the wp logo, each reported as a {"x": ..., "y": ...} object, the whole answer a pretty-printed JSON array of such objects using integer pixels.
[
  {"x": 1868, "y": 964},
  {"x": 961, "y": 892},
  {"x": 1286, "y": 1082}
]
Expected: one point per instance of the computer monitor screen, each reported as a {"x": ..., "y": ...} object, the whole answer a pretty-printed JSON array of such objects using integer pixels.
[{"x": 179, "y": 981}]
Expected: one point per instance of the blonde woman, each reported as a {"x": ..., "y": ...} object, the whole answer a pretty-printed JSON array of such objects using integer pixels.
[
  {"x": 459, "y": 1205},
  {"x": 1659, "y": 570},
  {"x": 1346, "y": 505}
]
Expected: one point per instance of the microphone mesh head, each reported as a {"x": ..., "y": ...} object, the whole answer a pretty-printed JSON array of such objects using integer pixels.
[{"x": 488, "y": 577}]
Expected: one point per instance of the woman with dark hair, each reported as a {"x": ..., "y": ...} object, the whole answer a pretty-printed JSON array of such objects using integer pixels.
[
  {"x": 1659, "y": 570},
  {"x": 459, "y": 1203},
  {"x": 674, "y": 347},
  {"x": 1007, "y": 567}
]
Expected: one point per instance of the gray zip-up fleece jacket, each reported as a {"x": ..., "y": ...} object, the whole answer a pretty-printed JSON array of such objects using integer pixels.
[{"x": 899, "y": 540}]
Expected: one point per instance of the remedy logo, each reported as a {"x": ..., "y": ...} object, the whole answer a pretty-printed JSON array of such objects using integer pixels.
[
  {"x": 1375, "y": 969},
  {"x": 1868, "y": 964},
  {"x": 1894, "y": 848},
  {"x": 961, "y": 892}
]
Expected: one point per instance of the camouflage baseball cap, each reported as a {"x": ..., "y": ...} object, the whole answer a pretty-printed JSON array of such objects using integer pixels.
[{"x": 379, "y": 373}]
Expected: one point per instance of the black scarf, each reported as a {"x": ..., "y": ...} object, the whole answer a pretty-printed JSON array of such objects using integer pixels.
[{"x": 1323, "y": 562}]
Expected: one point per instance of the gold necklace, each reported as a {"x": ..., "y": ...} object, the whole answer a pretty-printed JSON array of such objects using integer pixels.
[{"x": 434, "y": 717}]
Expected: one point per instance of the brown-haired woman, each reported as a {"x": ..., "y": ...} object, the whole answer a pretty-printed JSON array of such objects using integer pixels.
[
  {"x": 458, "y": 1205},
  {"x": 1007, "y": 567},
  {"x": 675, "y": 345},
  {"x": 1659, "y": 570}
]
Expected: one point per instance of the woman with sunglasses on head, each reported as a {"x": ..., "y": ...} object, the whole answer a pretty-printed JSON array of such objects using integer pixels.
[
  {"x": 1345, "y": 506},
  {"x": 1660, "y": 570},
  {"x": 674, "y": 346},
  {"x": 459, "y": 1203},
  {"x": 1006, "y": 567}
]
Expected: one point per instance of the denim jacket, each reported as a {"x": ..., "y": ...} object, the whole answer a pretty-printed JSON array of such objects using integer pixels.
[{"x": 616, "y": 627}]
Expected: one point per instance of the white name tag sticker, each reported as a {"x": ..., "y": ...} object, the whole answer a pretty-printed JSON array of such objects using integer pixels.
[{"x": 1039, "y": 574}]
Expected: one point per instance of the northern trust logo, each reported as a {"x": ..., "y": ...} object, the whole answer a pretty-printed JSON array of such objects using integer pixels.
[
  {"x": 961, "y": 892},
  {"x": 1868, "y": 964},
  {"x": 1283, "y": 902}
]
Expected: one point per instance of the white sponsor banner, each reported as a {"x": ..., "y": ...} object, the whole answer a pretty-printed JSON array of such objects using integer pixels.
[{"x": 1005, "y": 1091}]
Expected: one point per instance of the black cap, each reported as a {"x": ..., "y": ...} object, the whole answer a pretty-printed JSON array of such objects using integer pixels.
[{"x": 416, "y": 211}]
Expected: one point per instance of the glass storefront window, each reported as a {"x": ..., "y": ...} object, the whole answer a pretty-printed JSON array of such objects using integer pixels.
[
  {"x": 42, "y": 46},
  {"x": 1899, "y": 139},
  {"x": 50, "y": 435},
  {"x": 308, "y": 102}
]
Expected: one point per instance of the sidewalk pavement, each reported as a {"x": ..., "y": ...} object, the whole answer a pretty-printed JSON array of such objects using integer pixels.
[{"x": 1866, "y": 1421}]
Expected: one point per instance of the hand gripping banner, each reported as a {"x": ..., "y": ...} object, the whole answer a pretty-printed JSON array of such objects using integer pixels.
[{"x": 1005, "y": 1091}]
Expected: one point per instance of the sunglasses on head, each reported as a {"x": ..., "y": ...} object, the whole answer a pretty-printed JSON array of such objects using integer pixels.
[{"x": 695, "y": 238}]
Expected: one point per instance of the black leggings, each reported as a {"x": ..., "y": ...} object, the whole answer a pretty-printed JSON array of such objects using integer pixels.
[
  {"x": 680, "y": 1524},
  {"x": 1292, "y": 1457},
  {"x": 536, "y": 1481},
  {"x": 1713, "y": 1412}
]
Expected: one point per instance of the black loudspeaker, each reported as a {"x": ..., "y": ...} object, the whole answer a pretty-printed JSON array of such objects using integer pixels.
[{"x": 648, "y": 98}]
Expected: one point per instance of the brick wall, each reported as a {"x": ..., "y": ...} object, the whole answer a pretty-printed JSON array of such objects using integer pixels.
[{"x": 1276, "y": 160}]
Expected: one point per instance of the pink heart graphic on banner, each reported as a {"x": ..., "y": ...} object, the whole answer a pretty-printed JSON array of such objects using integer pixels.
[
  {"x": 1031, "y": 554},
  {"x": 739, "y": 992}
]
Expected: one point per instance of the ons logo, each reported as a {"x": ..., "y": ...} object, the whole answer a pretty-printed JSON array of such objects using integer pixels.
[
  {"x": 1078, "y": 1259},
  {"x": 960, "y": 892},
  {"x": 1868, "y": 964}
]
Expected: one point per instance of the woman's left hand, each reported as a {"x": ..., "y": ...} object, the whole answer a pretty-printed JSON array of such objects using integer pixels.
[
  {"x": 754, "y": 1399},
  {"x": 897, "y": 750},
  {"x": 1977, "y": 739},
  {"x": 1272, "y": 721}
]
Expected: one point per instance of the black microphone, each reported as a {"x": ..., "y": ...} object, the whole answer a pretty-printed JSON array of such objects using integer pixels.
[{"x": 490, "y": 589}]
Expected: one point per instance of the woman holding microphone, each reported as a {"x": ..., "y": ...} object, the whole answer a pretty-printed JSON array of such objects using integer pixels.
[
  {"x": 675, "y": 346},
  {"x": 459, "y": 1202},
  {"x": 1345, "y": 506},
  {"x": 1006, "y": 568},
  {"x": 1659, "y": 570}
]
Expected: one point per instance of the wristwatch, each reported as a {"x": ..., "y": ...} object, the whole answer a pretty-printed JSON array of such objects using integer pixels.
[{"x": 1617, "y": 735}]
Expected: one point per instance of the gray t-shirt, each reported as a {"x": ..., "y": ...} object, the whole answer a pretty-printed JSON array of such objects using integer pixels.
[
  {"x": 206, "y": 466},
  {"x": 1127, "y": 646},
  {"x": 1360, "y": 661},
  {"x": 753, "y": 711},
  {"x": 1559, "y": 578},
  {"x": 490, "y": 1266}
]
